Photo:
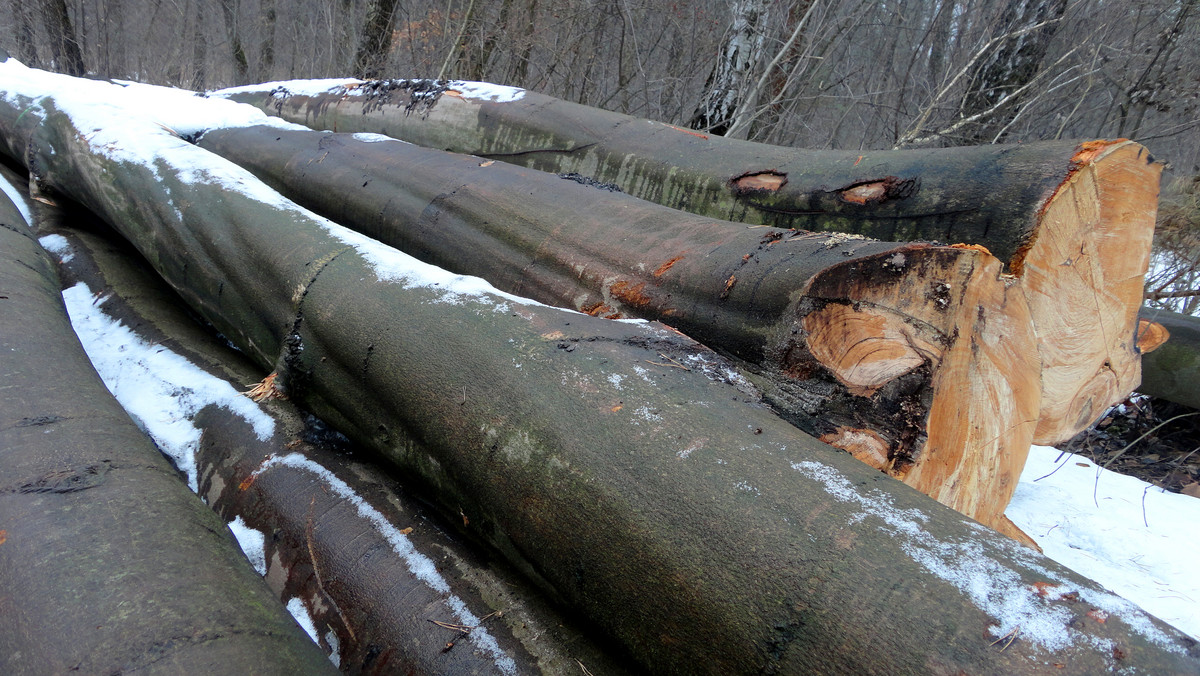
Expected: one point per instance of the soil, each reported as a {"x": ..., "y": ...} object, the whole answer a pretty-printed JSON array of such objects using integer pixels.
[{"x": 1152, "y": 439}]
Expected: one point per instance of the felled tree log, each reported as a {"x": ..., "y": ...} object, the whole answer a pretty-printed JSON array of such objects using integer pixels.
[
  {"x": 1172, "y": 370},
  {"x": 915, "y": 358},
  {"x": 1073, "y": 221},
  {"x": 700, "y": 530},
  {"x": 374, "y": 568},
  {"x": 108, "y": 563}
]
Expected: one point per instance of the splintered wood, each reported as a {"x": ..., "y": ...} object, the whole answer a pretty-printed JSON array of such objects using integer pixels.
[
  {"x": 1082, "y": 275},
  {"x": 971, "y": 327}
]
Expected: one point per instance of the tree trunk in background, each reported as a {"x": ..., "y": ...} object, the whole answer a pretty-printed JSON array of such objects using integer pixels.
[
  {"x": 241, "y": 64},
  {"x": 24, "y": 32},
  {"x": 266, "y": 45},
  {"x": 199, "y": 51},
  {"x": 695, "y": 527},
  {"x": 853, "y": 340},
  {"x": 376, "y": 40},
  {"x": 1147, "y": 90},
  {"x": 64, "y": 46},
  {"x": 1074, "y": 221},
  {"x": 740, "y": 54},
  {"x": 1014, "y": 63}
]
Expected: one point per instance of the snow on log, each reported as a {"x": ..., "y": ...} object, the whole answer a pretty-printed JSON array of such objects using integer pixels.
[
  {"x": 1172, "y": 370},
  {"x": 108, "y": 563},
  {"x": 918, "y": 359},
  {"x": 1073, "y": 221},
  {"x": 325, "y": 529},
  {"x": 695, "y": 527}
]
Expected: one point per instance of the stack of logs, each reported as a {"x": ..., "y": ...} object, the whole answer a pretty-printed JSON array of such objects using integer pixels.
[
  {"x": 623, "y": 466},
  {"x": 939, "y": 364}
]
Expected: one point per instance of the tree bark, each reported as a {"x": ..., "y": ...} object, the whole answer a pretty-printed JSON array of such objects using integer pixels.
[
  {"x": 108, "y": 563},
  {"x": 338, "y": 532},
  {"x": 1024, "y": 203},
  {"x": 376, "y": 40},
  {"x": 698, "y": 529},
  {"x": 1172, "y": 370},
  {"x": 915, "y": 358},
  {"x": 64, "y": 45}
]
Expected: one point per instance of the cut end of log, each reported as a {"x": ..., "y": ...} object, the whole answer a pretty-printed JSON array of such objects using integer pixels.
[
  {"x": 1151, "y": 336},
  {"x": 1082, "y": 274},
  {"x": 971, "y": 329}
]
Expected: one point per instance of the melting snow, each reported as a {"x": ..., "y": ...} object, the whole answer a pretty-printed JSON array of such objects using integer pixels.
[
  {"x": 159, "y": 389},
  {"x": 421, "y": 566},
  {"x": 17, "y": 199}
]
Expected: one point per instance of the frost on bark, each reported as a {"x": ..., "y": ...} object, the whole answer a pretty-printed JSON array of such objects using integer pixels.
[{"x": 741, "y": 51}]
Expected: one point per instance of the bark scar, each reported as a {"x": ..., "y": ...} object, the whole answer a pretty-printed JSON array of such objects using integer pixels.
[{"x": 879, "y": 190}]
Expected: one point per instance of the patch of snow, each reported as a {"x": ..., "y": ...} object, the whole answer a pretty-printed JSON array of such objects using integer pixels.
[
  {"x": 335, "y": 648},
  {"x": 162, "y": 391},
  {"x": 18, "y": 200},
  {"x": 1130, "y": 536},
  {"x": 299, "y": 611},
  {"x": 486, "y": 91},
  {"x": 369, "y": 137},
  {"x": 977, "y": 567},
  {"x": 59, "y": 246},
  {"x": 615, "y": 379},
  {"x": 294, "y": 87},
  {"x": 420, "y": 565},
  {"x": 251, "y": 541}
]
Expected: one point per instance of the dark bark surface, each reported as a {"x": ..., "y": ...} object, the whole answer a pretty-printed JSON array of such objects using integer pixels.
[
  {"x": 334, "y": 523},
  {"x": 799, "y": 307},
  {"x": 695, "y": 527},
  {"x": 108, "y": 562}
]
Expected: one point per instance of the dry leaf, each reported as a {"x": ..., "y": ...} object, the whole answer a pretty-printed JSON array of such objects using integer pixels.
[
  {"x": 3, "y": 536},
  {"x": 1192, "y": 489},
  {"x": 406, "y": 531}
]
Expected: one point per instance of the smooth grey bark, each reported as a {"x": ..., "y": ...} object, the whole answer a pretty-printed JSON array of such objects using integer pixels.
[
  {"x": 988, "y": 195},
  {"x": 695, "y": 527},
  {"x": 108, "y": 563},
  {"x": 320, "y": 545}
]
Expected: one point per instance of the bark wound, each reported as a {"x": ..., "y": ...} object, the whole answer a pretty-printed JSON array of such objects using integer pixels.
[
  {"x": 629, "y": 294},
  {"x": 865, "y": 349},
  {"x": 864, "y": 444},
  {"x": 662, "y": 269},
  {"x": 757, "y": 182},
  {"x": 874, "y": 192}
]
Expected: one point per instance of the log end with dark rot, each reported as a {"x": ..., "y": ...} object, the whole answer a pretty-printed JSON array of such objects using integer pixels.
[
  {"x": 1082, "y": 275},
  {"x": 952, "y": 366}
]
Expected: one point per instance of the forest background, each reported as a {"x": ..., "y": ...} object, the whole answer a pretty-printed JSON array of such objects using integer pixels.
[{"x": 843, "y": 74}]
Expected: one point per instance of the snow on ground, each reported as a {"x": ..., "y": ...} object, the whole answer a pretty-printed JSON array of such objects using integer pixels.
[{"x": 1129, "y": 536}]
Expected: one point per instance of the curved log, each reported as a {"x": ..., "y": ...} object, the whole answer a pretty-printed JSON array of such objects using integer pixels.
[
  {"x": 915, "y": 358},
  {"x": 1073, "y": 221},
  {"x": 108, "y": 563},
  {"x": 698, "y": 529}
]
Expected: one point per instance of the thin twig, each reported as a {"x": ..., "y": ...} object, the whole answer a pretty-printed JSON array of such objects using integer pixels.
[
  {"x": 1011, "y": 636},
  {"x": 1148, "y": 433}
]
